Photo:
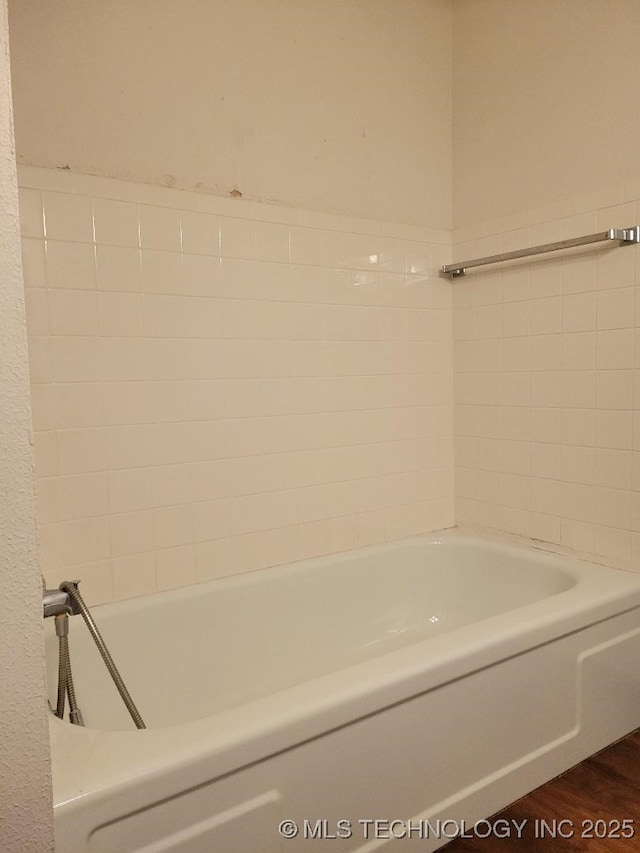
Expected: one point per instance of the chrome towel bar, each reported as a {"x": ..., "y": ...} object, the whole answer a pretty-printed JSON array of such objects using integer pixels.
[{"x": 625, "y": 236}]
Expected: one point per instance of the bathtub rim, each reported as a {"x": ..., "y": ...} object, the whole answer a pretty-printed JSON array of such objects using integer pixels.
[
  {"x": 507, "y": 543},
  {"x": 119, "y": 761}
]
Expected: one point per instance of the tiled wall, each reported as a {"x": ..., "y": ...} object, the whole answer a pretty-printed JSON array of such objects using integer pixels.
[
  {"x": 220, "y": 385},
  {"x": 547, "y": 384}
]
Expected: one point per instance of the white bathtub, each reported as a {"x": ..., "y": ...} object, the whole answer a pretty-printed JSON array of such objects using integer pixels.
[{"x": 432, "y": 680}]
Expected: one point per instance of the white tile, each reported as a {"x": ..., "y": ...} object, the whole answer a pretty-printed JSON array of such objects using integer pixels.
[
  {"x": 208, "y": 399},
  {"x": 116, "y": 223},
  {"x": 46, "y": 453},
  {"x": 33, "y": 263},
  {"x": 129, "y": 490},
  {"x": 164, "y": 316},
  {"x": 40, "y": 362},
  {"x": 578, "y": 427},
  {"x": 543, "y": 351},
  {"x": 578, "y": 536},
  {"x": 83, "y": 495},
  {"x": 579, "y": 389},
  {"x": 133, "y": 575},
  {"x": 161, "y": 272},
  {"x": 37, "y": 311},
  {"x": 211, "y": 520},
  {"x": 97, "y": 581},
  {"x": 272, "y": 242},
  {"x": 579, "y": 312},
  {"x": 118, "y": 268},
  {"x": 171, "y": 484},
  {"x": 578, "y": 274},
  {"x": 314, "y": 539},
  {"x": 615, "y": 389},
  {"x": 577, "y": 464},
  {"x": 249, "y": 552},
  {"x": 614, "y": 216},
  {"x": 615, "y": 267},
  {"x": 615, "y": 349},
  {"x": 614, "y": 429},
  {"x": 580, "y": 224},
  {"x": 306, "y": 246},
  {"x": 200, "y": 275},
  {"x": 545, "y": 460},
  {"x": 120, "y": 314},
  {"x": 76, "y": 359},
  {"x": 126, "y": 403},
  {"x": 546, "y": 388},
  {"x": 579, "y": 351},
  {"x": 47, "y": 500},
  {"x": 200, "y": 234},
  {"x": 516, "y": 319},
  {"x": 31, "y": 213},
  {"x": 175, "y": 567},
  {"x": 612, "y": 543},
  {"x": 204, "y": 317},
  {"x": 577, "y": 501},
  {"x": 70, "y": 265},
  {"x": 173, "y": 526},
  {"x": 131, "y": 533},
  {"x": 81, "y": 451},
  {"x": 68, "y": 217},
  {"x": 121, "y": 359},
  {"x": 546, "y": 316},
  {"x": 613, "y": 468},
  {"x": 159, "y": 228},
  {"x": 168, "y": 401},
  {"x": 213, "y": 559},
  {"x": 282, "y": 545},
  {"x": 80, "y": 404},
  {"x": 73, "y": 312},
  {"x": 615, "y": 308},
  {"x": 237, "y": 238}
]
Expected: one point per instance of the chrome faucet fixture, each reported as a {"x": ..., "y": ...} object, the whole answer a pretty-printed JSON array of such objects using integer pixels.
[
  {"x": 57, "y": 601},
  {"x": 64, "y": 602}
]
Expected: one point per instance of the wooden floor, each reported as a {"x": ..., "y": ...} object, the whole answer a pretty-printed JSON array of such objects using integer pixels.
[{"x": 592, "y": 799}]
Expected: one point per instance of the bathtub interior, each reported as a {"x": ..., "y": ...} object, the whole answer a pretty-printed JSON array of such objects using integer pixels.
[{"x": 190, "y": 653}]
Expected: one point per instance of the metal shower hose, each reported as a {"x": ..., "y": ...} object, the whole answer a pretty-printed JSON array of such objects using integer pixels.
[{"x": 72, "y": 591}]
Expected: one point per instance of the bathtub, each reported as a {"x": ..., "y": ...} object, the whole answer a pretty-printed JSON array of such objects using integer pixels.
[{"x": 394, "y": 693}]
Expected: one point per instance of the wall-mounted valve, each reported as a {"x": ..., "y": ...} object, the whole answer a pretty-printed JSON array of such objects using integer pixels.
[{"x": 57, "y": 601}]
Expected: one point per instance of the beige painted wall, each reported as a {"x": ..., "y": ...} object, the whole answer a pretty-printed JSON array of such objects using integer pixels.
[
  {"x": 543, "y": 102},
  {"x": 25, "y": 803},
  {"x": 335, "y": 105}
]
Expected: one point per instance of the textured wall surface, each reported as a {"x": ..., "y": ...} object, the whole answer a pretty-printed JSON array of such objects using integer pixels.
[
  {"x": 326, "y": 105},
  {"x": 25, "y": 802}
]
